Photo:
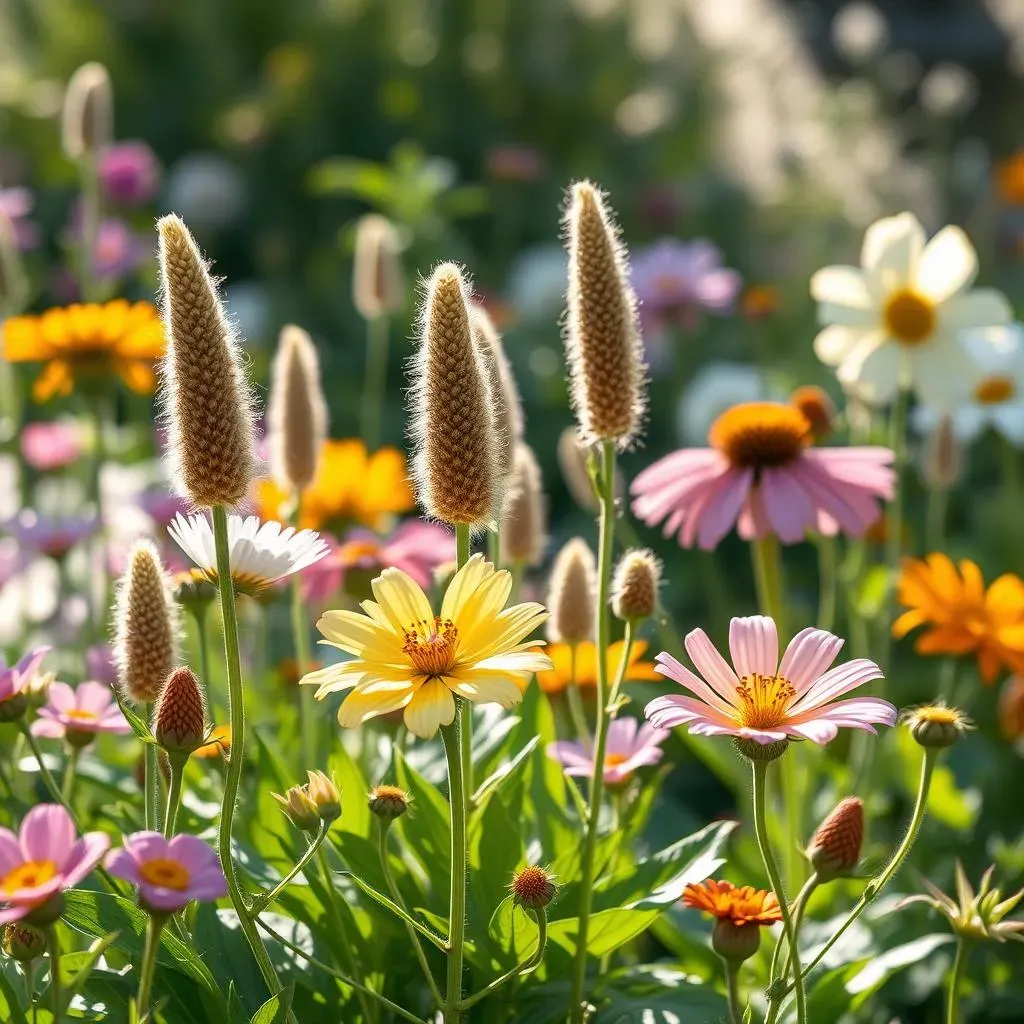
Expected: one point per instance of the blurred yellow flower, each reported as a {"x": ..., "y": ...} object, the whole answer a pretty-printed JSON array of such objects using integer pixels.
[
  {"x": 556, "y": 679},
  {"x": 349, "y": 484},
  {"x": 219, "y": 745},
  {"x": 87, "y": 340}
]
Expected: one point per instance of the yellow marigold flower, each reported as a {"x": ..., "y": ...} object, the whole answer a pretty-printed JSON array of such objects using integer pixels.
[
  {"x": 349, "y": 484},
  {"x": 559, "y": 676},
  {"x": 964, "y": 617},
  {"x": 406, "y": 656},
  {"x": 87, "y": 340}
]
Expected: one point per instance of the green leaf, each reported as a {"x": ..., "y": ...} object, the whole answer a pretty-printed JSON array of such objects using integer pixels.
[
  {"x": 138, "y": 724},
  {"x": 10, "y": 1008},
  {"x": 505, "y": 773},
  {"x": 83, "y": 966},
  {"x": 275, "y": 1009},
  {"x": 655, "y": 994},
  {"x": 425, "y": 827},
  {"x": 871, "y": 597}
]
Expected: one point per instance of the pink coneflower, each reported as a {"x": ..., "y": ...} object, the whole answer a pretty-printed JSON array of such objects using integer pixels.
[
  {"x": 80, "y": 712},
  {"x": 129, "y": 173},
  {"x": 43, "y": 859},
  {"x": 628, "y": 748},
  {"x": 14, "y": 679},
  {"x": 46, "y": 536},
  {"x": 763, "y": 475},
  {"x": 49, "y": 446},
  {"x": 169, "y": 873},
  {"x": 762, "y": 700}
]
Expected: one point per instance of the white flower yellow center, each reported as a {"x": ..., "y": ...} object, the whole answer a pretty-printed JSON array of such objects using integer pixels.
[
  {"x": 431, "y": 646},
  {"x": 909, "y": 317},
  {"x": 995, "y": 389},
  {"x": 764, "y": 701}
]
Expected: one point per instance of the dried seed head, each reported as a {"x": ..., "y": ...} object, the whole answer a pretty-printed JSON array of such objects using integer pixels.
[
  {"x": 388, "y": 802},
  {"x": 22, "y": 942},
  {"x": 146, "y": 625},
  {"x": 87, "y": 122},
  {"x": 523, "y": 536},
  {"x": 818, "y": 408},
  {"x": 507, "y": 407},
  {"x": 533, "y": 888},
  {"x": 455, "y": 466},
  {"x": 13, "y": 283},
  {"x": 942, "y": 458},
  {"x": 635, "y": 585},
  {"x": 296, "y": 411},
  {"x": 936, "y": 725},
  {"x": 377, "y": 273},
  {"x": 601, "y": 337},
  {"x": 180, "y": 722},
  {"x": 572, "y": 594},
  {"x": 207, "y": 400},
  {"x": 834, "y": 849}
]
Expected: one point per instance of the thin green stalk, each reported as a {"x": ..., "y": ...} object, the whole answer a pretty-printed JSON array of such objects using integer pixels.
[
  {"x": 300, "y": 635},
  {"x": 90, "y": 183},
  {"x": 575, "y": 699},
  {"x": 935, "y": 524},
  {"x": 233, "y": 776},
  {"x": 465, "y": 708},
  {"x": 262, "y": 902},
  {"x": 67, "y": 789},
  {"x": 799, "y": 909},
  {"x": 827, "y": 583},
  {"x": 156, "y": 925},
  {"x": 963, "y": 951},
  {"x": 376, "y": 379},
  {"x": 48, "y": 780},
  {"x": 199, "y": 617},
  {"x": 494, "y": 547},
  {"x": 1011, "y": 469},
  {"x": 28, "y": 974},
  {"x": 383, "y": 828},
  {"x": 53, "y": 948},
  {"x": 526, "y": 967},
  {"x": 151, "y": 776},
  {"x": 453, "y": 741},
  {"x": 760, "y": 773},
  {"x": 732, "y": 991},
  {"x": 177, "y": 765},
  {"x": 606, "y": 535}
]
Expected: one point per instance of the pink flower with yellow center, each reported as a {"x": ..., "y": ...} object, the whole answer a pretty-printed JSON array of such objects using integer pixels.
[
  {"x": 14, "y": 680},
  {"x": 43, "y": 859},
  {"x": 84, "y": 711},
  {"x": 628, "y": 748},
  {"x": 762, "y": 699}
]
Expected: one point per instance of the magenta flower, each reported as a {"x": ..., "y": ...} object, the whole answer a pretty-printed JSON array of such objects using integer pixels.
[
  {"x": 43, "y": 859},
  {"x": 49, "y": 446},
  {"x": 16, "y": 205},
  {"x": 119, "y": 250},
  {"x": 759, "y": 699},
  {"x": 15, "y": 679},
  {"x": 628, "y": 748},
  {"x": 54, "y": 537},
  {"x": 83, "y": 711},
  {"x": 762, "y": 475},
  {"x": 169, "y": 873},
  {"x": 129, "y": 173}
]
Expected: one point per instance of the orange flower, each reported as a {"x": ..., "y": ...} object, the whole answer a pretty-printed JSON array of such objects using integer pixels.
[
  {"x": 556, "y": 679},
  {"x": 760, "y": 301},
  {"x": 745, "y": 905},
  {"x": 1010, "y": 179},
  {"x": 219, "y": 745},
  {"x": 964, "y": 617},
  {"x": 349, "y": 484},
  {"x": 1011, "y": 708},
  {"x": 89, "y": 340}
]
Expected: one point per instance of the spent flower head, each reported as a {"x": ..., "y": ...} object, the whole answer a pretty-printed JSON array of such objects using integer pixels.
[
  {"x": 388, "y": 802},
  {"x": 936, "y": 725},
  {"x": 533, "y": 888}
]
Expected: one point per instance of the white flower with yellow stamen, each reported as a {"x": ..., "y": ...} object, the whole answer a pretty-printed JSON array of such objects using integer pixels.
[
  {"x": 896, "y": 320},
  {"x": 260, "y": 554},
  {"x": 405, "y": 656}
]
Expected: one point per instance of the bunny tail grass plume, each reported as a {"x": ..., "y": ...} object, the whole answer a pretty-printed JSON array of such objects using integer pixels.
[
  {"x": 635, "y": 585},
  {"x": 602, "y": 338},
  {"x": 207, "y": 401},
  {"x": 572, "y": 594},
  {"x": 87, "y": 120},
  {"x": 523, "y": 537},
  {"x": 377, "y": 271},
  {"x": 456, "y": 450},
  {"x": 146, "y": 625},
  {"x": 296, "y": 411},
  {"x": 508, "y": 409}
]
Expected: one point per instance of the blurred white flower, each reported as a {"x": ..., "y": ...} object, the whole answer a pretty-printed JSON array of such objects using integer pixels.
[
  {"x": 536, "y": 282},
  {"x": 714, "y": 388},
  {"x": 205, "y": 190},
  {"x": 895, "y": 321},
  {"x": 859, "y": 31},
  {"x": 947, "y": 90}
]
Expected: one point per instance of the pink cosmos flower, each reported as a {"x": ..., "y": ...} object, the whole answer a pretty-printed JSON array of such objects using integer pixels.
[
  {"x": 43, "y": 859},
  {"x": 628, "y": 748},
  {"x": 129, "y": 172},
  {"x": 763, "y": 475},
  {"x": 759, "y": 699},
  {"x": 14, "y": 679},
  {"x": 169, "y": 873},
  {"x": 86, "y": 710},
  {"x": 46, "y": 536},
  {"x": 49, "y": 446}
]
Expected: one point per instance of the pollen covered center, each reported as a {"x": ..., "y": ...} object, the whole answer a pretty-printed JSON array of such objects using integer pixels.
[
  {"x": 995, "y": 389},
  {"x": 756, "y": 435},
  {"x": 614, "y": 760},
  {"x": 909, "y": 317},
  {"x": 78, "y": 715},
  {"x": 431, "y": 646},
  {"x": 764, "y": 701},
  {"x": 167, "y": 873},
  {"x": 29, "y": 875}
]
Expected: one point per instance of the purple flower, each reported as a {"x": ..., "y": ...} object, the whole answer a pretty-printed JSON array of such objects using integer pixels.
[
  {"x": 16, "y": 204},
  {"x": 169, "y": 873},
  {"x": 99, "y": 663},
  {"x": 13, "y": 680},
  {"x": 119, "y": 250},
  {"x": 129, "y": 173},
  {"x": 48, "y": 446},
  {"x": 162, "y": 506},
  {"x": 627, "y": 749},
  {"x": 46, "y": 536},
  {"x": 89, "y": 708}
]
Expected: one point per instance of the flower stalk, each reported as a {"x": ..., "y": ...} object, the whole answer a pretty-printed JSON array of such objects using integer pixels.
[
  {"x": 520, "y": 970},
  {"x": 53, "y": 949},
  {"x": 155, "y": 927},
  {"x": 963, "y": 951},
  {"x": 177, "y": 764},
  {"x": 732, "y": 991},
  {"x": 151, "y": 778},
  {"x": 465, "y": 709},
  {"x": 453, "y": 743}
]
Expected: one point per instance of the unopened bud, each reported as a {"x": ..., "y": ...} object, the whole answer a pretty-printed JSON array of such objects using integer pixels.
[
  {"x": 572, "y": 594},
  {"x": 23, "y": 943},
  {"x": 834, "y": 849},
  {"x": 818, "y": 409},
  {"x": 300, "y": 808},
  {"x": 388, "y": 802},
  {"x": 180, "y": 723},
  {"x": 523, "y": 537},
  {"x": 87, "y": 122},
  {"x": 193, "y": 590},
  {"x": 325, "y": 795},
  {"x": 13, "y": 708},
  {"x": 635, "y": 585},
  {"x": 377, "y": 271},
  {"x": 936, "y": 725},
  {"x": 735, "y": 942},
  {"x": 942, "y": 460},
  {"x": 533, "y": 888}
]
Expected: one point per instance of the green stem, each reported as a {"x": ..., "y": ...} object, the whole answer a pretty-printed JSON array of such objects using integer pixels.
[
  {"x": 151, "y": 775},
  {"x": 827, "y": 588},
  {"x": 48, "y": 780},
  {"x": 384, "y": 826},
  {"x": 760, "y": 771},
  {"x": 799, "y": 909},
  {"x": 451, "y": 734},
  {"x": 376, "y": 379},
  {"x": 177, "y": 765},
  {"x": 262, "y": 902},
  {"x": 300, "y": 635},
  {"x": 606, "y": 535},
  {"x": 90, "y": 183},
  {"x": 465, "y": 708},
  {"x": 233, "y": 776},
  {"x": 935, "y": 528},
  {"x": 575, "y": 699},
  {"x": 67, "y": 789},
  {"x": 53, "y": 948},
  {"x": 1011, "y": 470},
  {"x": 519, "y": 970},
  {"x": 732, "y": 991},
  {"x": 156, "y": 925},
  {"x": 199, "y": 617},
  {"x": 963, "y": 951}
]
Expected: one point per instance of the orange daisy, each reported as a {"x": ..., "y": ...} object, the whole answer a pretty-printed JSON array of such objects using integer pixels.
[
  {"x": 219, "y": 744},
  {"x": 350, "y": 484},
  {"x": 90, "y": 340},
  {"x": 556, "y": 679},
  {"x": 738, "y": 905},
  {"x": 964, "y": 617}
]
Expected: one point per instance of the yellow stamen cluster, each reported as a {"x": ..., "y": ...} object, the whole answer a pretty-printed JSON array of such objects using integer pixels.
[
  {"x": 765, "y": 700},
  {"x": 431, "y": 646},
  {"x": 909, "y": 317}
]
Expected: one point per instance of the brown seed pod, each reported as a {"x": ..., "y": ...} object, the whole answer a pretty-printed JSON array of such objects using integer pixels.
[
  {"x": 508, "y": 411},
  {"x": 572, "y": 594},
  {"x": 377, "y": 271},
  {"x": 87, "y": 120},
  {"x": 834, "y": 849},
  {"x": 523, "y": 535},
  {"x": 635, "y": 585},
  {"x": 180, "y": 722}
]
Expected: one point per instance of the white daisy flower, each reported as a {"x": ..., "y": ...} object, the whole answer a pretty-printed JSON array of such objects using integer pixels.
[
  {"x": 259, "y": 554},
  {"x": 896, "y": 320},
  {"x": 997, "y": 399}
]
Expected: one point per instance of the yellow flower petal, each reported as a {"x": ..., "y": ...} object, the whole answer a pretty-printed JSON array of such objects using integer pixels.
[
  {"x": 359, "y": 635},
  {"x": 401, "y": 600},
  {"x": 359, "y": 707},
  {"x": 463, "y": 586},
  {"x": 486, "y": 687},
  {"x": 431, "y": 706},
  {"x": 56, "y": 379}
]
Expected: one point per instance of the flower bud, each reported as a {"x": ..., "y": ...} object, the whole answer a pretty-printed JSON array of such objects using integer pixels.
[
  {"x": 936, "y": 725},
  {"x": 180, "y": 723},
  {"x": 388, "y": 802},
  {"x": 22, "y": 942},
  {"x": 377, "y": 271},
  {"x": 507, "y": 406},
  {"x": 735, "y": 942},
  {"x": 523, "y": 537},
  {"x": 299, "y": 806},
  {"x": 818, "y": 408},
  {"x": 87, "y": 122},
  {"x": 754, "y": 751},
  {"x": 192, "y": 590},
  {"x": 635, "y": 586},
  {"x": 13, "y": 708},
  {"x": 834, "y": 849},
  {"x": 533, "y": 888},
  {"x": 325, "y": 796},
  {"x": 572, "y": 594},
  {"x": 942, "y": 458}
]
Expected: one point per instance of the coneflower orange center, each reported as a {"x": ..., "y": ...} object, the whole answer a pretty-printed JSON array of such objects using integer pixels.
[
  {"x": 162, "y": 871},
  {"x": 28, "y": 875},
  {"x": 78, "y": 715},
  {"x": 764, "y": 701},
  {"x": 431, "y": 646},
  {"x": 614, "y": 760},
  {"x": 756, "y": 435},
  {"x": 995, "y": 389},
  {"x": 909, "y": 317}
]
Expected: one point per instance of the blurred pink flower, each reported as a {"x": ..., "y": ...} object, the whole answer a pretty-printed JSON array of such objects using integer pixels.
[
  {"x": 15, "y": 678},
  {"x": 99, "y": 664},
  {"x": 129, "y": 173},
  {"x": 53, "y": 445},
  {"x": 759, "y": 699},
  {"x": 46, "y": 536},
  {"x": 169, "y": 872},
  {"x": 119, "y": 250},
  {"x": 628, "y": 748},
  {"x": 162, "y": 506},
  {"x": 88, "y": 709},
  {"x": 515, "y": 162},
  {"x": 16, "y": 204},
  {"x": 44, "y": 859}
]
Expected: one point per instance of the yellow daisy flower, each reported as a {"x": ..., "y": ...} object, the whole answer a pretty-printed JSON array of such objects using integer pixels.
[{"x": 405, "y": 656}]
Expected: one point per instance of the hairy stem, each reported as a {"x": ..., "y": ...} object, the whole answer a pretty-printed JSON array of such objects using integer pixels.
[
  {"x": 156, "y": 925},
  {"x": 451, "y": 734}
]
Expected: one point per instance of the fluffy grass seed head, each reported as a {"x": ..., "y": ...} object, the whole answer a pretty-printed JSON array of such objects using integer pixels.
[
  {"x": 602, "y": 337},
  {"x": 635, "y": 585},
  {"x": 13, "y": 283},
  {"x": 377, "y": 272},
  {"x": 296, "y": 411},
  {"x": 456, "y": 464},
  {"x": 572, "y": 594},
  {"x": 523, "y": 534},
  {"x": 207, "y": 401},
  {"x": 146, "y": 625},
  {"x": 533, "y": 888},
  {"x": 942, "y": 456},
  {"x": 834, "y": 849},
  {"x": 507, "y": 405},
  {"x": 87, "y": 120},
  {"x": 180, "y": 722},
  {"x": 936, "y": 725}
]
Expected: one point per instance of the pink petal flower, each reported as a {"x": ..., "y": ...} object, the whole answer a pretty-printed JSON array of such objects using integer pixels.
[{"x": 47, "y": 833}]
